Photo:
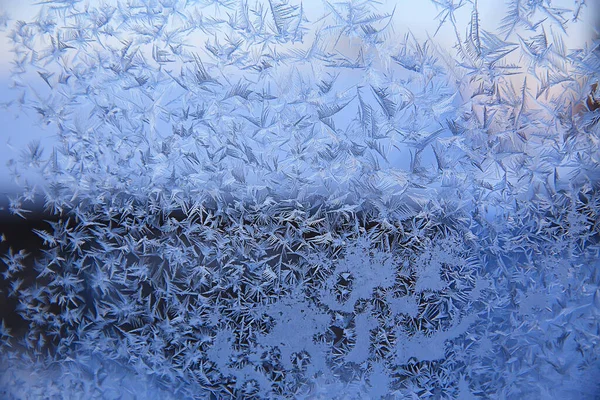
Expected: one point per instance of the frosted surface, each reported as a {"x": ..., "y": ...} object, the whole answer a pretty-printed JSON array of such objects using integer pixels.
[{"x": 321, "y": 200}]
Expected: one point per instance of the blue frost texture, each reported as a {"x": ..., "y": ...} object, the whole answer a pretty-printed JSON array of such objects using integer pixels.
[{"x": 285, "y": 199}]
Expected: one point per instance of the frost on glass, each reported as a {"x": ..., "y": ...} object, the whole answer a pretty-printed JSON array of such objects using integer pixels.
[{"x": 284, "y": 199}]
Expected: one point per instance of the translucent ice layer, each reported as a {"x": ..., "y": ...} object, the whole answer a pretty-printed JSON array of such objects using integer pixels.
[{"x": 266, "y": 199}]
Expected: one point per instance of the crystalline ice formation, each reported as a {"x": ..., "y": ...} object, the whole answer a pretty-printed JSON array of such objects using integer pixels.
[{"x": 284, "y": 199}]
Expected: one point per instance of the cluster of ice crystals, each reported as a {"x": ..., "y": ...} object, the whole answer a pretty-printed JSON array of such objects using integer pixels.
[{"x": 269, "y": 199}]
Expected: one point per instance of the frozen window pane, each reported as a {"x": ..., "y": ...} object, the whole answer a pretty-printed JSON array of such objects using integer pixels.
[{"x": 300, "y": 199}]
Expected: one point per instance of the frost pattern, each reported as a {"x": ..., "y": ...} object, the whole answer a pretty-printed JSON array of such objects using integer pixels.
[{"x": 266, "y": 199}]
